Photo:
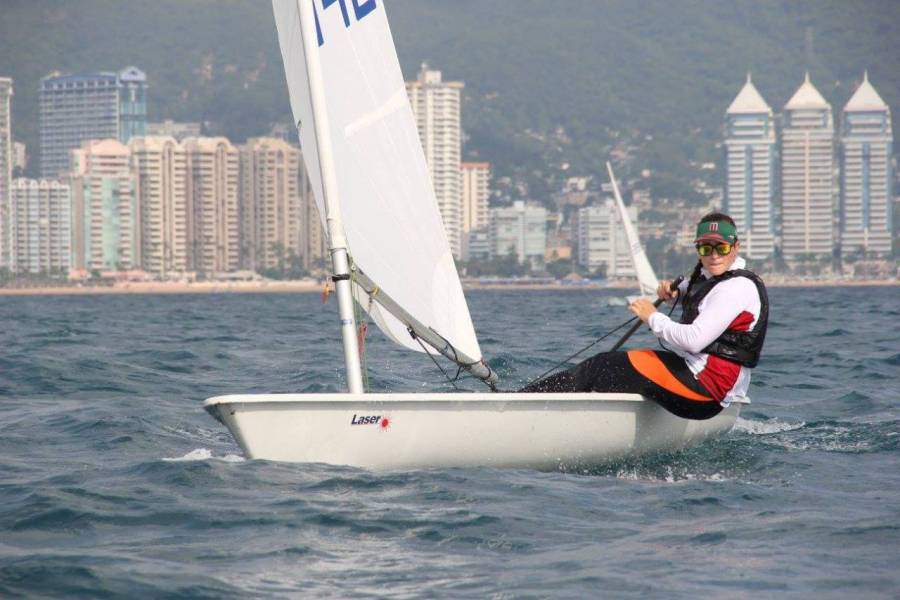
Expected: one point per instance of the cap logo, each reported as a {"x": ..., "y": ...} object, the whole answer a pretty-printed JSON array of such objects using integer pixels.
[{"x": 717, "y": 229}]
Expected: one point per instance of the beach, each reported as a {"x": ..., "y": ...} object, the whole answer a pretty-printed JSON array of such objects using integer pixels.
[{"x": 309, "y": 286}]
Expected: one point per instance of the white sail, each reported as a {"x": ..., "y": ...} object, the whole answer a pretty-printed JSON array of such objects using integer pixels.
[
  {"x": 389, "y": 212},
  {"x": 646, "y": 277}
]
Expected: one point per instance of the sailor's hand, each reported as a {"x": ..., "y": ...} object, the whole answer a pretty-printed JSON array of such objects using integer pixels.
[
  {"x": 642, "y": 309},
  {"x": 665, "y": 291}
]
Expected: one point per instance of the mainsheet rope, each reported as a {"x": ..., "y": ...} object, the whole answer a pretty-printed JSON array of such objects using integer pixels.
[{"x": 589, "y": 346}]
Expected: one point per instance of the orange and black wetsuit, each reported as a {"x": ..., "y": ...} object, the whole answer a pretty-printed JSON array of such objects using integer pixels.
[{"x": 659, "y": 375}]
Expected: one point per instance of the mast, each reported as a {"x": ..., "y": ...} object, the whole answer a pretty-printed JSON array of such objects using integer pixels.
[{"x": 337, "y": 242}]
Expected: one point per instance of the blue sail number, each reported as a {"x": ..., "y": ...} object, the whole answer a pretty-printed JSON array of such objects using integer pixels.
[{"x": 361, "y": 8}]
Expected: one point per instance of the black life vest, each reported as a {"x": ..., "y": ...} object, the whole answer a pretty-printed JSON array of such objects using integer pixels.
[{"x": 742, "y": 347}]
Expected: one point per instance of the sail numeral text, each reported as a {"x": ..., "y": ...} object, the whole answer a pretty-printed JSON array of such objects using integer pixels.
[{"x": 361, "y": 8}]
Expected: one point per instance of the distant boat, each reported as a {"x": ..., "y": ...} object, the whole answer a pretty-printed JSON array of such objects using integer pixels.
[{"x": 368, "y": 172}]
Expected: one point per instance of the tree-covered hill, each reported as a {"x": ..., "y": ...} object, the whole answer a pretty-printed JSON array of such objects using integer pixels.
[{"x": 662, "y": 68}]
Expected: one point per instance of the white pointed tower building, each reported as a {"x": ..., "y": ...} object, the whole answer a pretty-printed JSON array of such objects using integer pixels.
[
  {"x": 750, "y": 171},
  {"x": 807, "y": 175},
  {"x": 866, "y": 178}
]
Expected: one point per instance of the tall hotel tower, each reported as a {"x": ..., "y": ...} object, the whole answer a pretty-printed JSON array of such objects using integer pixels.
[
  {"x": 6, "y": 161},
  {"x": 436, "y": 106},
  {"x": 78, "y": 108},
  {"x": 213, "y": 234},
  {"x": 750, "y": 165},
  {"x": 160, "y": 166},
  {"x": 270, "y": 208},
  {"x": 807, "y": 174},
  {"x": 866, "y": 177}
]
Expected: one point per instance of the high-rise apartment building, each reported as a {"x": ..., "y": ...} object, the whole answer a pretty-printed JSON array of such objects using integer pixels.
[
  {"x": 212, "y": 205},
  {"x": 521, "y": 230},
  {"x": 601, "y": 239},
  {"x": 866, "y": 221},
  {"x": 270, "y": 207},
  {"x": 160, "y": 169},
  {"x": 436, "y": 106},
  {"x": 6, "y": 165},
  {"x": 750, "y": 160},
  {"x": 475, "y": 185},
  {"x": 104, "y": 207},
  {"x": 807, "y": 175},
  {"x": 78, "y": 108},
  {"x": 41, "y": 227},
  {"x": 476, "y": 191}
]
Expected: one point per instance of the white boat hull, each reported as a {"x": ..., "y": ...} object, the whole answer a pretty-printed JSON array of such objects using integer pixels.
[{"x": 397, "y": 431}]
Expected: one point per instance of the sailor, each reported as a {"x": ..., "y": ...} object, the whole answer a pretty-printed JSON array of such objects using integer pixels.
[{"x": 707, "y": 357}]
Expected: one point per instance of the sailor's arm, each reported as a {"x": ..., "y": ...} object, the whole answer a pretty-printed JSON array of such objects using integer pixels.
[{"x": 722, "y": 306}]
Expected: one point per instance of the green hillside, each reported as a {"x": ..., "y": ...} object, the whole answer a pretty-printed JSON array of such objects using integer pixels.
[{"x": 655, "y": 67}]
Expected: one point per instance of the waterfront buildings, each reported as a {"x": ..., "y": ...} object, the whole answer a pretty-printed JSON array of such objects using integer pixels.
[
  {"x": 520, "y": 230},
  {"x": 601, "y": 239},
  {"x": 270, "y": 207},
  {"x": 6, "y": 165},
  {"x": 436, "y": 107},
  {"x": 807, "y": 174},
  {"x": 866, "y": 219},
  {"x": 77, "y": 108},
  {"x": 160, "y": 169},
  {"x": 105, "y": 235},
  {"x": 41, "y": 227},
  {"x": 750, "y": 161},
  {"x": 213, "y": 245}
]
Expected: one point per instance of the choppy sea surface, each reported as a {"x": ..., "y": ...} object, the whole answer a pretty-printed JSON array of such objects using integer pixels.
[{"x": 115, "y": 483}]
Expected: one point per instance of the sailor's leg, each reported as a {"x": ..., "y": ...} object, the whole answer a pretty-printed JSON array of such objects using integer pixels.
[
  {"x": 660, "y": 376},
  {"x": 670, "y": 382}
]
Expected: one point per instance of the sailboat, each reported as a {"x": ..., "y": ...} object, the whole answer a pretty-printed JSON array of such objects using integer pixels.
[{"x": 391, "y": 256}]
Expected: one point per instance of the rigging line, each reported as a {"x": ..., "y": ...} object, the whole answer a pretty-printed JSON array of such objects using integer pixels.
[
  {"x": 461, "y": 365},
  {"x": 431, "y": 356},
  {"x": 595, "y": 342}
]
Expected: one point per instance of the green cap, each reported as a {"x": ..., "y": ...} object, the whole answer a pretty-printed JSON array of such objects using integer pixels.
[{"x": 716, "y": 231}]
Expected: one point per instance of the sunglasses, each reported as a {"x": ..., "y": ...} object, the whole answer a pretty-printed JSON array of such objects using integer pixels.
[{"x": 722, "y": 249}]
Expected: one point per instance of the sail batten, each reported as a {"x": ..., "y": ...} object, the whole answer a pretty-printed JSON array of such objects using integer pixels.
[{"x": 389, "y": 214}]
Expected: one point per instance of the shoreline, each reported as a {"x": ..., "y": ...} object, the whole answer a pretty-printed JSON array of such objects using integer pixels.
[{"x": 305, "y": 286}]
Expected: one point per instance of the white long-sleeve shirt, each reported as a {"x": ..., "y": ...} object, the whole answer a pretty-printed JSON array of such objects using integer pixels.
[{"x": 733, "y": 304}]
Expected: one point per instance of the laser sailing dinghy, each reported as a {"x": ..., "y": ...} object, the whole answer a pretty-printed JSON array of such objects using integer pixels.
[{"x": 372, "y": 186}]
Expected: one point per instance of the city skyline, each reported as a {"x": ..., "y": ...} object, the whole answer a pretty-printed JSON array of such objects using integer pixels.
[{"x": 213, "y": 220}]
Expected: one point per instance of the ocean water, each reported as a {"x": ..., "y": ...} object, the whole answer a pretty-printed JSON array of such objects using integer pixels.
[{"x": 115, "y": 483}]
